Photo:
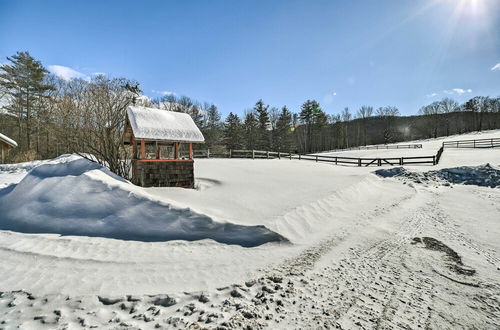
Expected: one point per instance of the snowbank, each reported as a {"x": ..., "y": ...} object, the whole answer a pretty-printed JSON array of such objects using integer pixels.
[
  {"x": 484, "y": 175},
  {"x": 74, "y": 196}
]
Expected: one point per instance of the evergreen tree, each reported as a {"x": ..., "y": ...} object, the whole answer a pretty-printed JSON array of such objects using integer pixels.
[
  {"x": 233, "y": 132},
  {"x": 251, "y": 127},
  {"x": 283, "y": 131},
  {"x": 263, "y": 134},
  {"x": 308, "y": 112},
  {"x": 23, "y": 80},
  {"x": 212, "y": 126}
]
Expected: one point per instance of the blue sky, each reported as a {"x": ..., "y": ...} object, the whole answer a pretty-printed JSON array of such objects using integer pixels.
[{"x": 405, "y": 53}]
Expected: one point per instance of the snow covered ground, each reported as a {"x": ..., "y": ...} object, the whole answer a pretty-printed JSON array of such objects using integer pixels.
[{"x": 359, "y": 250}]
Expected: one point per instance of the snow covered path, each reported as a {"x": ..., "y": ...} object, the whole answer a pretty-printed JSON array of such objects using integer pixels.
[{"x": 386, "y": 269}]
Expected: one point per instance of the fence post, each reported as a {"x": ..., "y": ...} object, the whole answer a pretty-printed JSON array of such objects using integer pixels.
[
  {"x": 267, "y": 152},
  {"x": 299, "y": 156},
  {"x": 379, "y": 162},
  {"x": 316, "y": 158},
  {"x": 290, "y": 155},
  {"x": 208, "y": 153},
  {"x": 230, "y": 153},
  {"x": 279, "y": 155},
  {"x": 253, "y": 154},
  {"x": 474, "y": 143},
  {"x": 401, "y": 161},
  {"x": 433, "y": 160},
  {"x": 359, "y": 161},
  {"x": 336, "y": 161}
]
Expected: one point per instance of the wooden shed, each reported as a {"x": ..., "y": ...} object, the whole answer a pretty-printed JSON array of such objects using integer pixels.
[
  {"x": 162, "y": 147},
  {"x": 6, "y": 145}
]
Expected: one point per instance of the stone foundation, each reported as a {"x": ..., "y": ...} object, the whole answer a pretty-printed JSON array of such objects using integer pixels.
[{"x": 163, "y": 173}]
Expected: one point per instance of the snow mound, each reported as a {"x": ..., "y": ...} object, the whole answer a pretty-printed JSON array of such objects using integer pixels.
[
  {"x": 483, "y": 175},
  {"x": 74, "y": 196}
]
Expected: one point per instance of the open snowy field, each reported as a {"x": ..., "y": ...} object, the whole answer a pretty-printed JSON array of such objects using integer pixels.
[
  {"x": 429, "y": 148},
  {"x": 259, "y": 243}
]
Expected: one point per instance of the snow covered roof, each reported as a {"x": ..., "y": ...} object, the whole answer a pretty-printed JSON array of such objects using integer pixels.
[
  {"x": 8, "y": 140},
  {"x": 155, "y": 124}
]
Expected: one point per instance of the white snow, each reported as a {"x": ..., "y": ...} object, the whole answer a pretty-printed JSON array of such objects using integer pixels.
[
  {"x": 155, "y": 124},
  {"x": 355, "y": 258},
  {"x": 79, "y": 197},
  {"x": 8, "y": 140}
]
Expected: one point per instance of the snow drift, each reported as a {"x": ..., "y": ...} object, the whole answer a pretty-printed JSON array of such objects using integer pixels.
[
  {"x": 74, "y": 196},
  {"x": 484, "y": 175}
]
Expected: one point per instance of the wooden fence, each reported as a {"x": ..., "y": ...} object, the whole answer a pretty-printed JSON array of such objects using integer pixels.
[
  {"x": 378, "y": 147},
  {"x": 379, "y": 161},
  {"x": 478, "y": 143},
  {"x": 357, "y": 161}
]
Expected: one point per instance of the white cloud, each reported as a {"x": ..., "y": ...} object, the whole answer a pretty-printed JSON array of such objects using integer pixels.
[
  {"x": 66, "y": 73},
  {"x": 496, "y": 67},
  {"x": 432, "y": 95},
  {"x": 334, "y": 93},
  {"x": 458, "y": 91},
  {"x": 163, "y": 92}
]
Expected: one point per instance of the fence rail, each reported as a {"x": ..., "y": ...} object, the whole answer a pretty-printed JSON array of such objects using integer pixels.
[
  {"x": 478, "y": 143},
  {"x": 379, "y": 147},
  {"x": 378, "y": 161},
  {"x": 358, "y": 161}
]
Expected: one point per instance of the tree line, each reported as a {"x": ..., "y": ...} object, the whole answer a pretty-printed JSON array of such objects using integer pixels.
[{"x": 49, "y": 116}]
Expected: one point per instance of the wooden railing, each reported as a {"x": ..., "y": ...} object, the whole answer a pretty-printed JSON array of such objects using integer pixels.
[
  {"x": 253, "y": 154},
  {"x": 358, "y": 161},
  {"x": 378, "y": 161},
  {"x": 478, "y": 143},
  {"x": 379, "y": 147}
]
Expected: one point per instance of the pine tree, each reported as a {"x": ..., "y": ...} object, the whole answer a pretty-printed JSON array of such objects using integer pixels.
[
  {"x": 283, "y": 131},
  {"x": 308, "y": 112},
  {"x": 233, "y": 132},
  {"x": 212, "y": 126},
  {"x": 23, "y": 80},
  {"x": 263, "y": 134},
  {"x": 251, "y": 127}
]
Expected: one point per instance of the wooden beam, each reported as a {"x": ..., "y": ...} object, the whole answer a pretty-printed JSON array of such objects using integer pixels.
[
  {"x": 143, "y": 150},
  {"x": 176, "y": 153},
  {"x": 158, "y": 152},
  {"x": 134, "y": 147},
  {"x": 190, "y": 150}
]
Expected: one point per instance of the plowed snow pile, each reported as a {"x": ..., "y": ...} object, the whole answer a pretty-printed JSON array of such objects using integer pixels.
[
  {"x": 74, "y": 196},
  {"x": 484, "y": 175}
]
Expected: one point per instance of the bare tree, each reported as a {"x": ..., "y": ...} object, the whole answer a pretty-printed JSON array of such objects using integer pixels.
[{"x": 364, "y": 113}]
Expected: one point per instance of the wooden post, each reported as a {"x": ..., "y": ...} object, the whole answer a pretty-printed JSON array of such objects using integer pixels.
[
  {"x": 253, "y": 154},
  {"x": 3, "y": 156},
  {"x": 299, "y": 156},
  {"x": 143, "y": 149},
  {"x": 433, "y": 160},
  {"x": 279, "y": 155},
  {"x": 267, "y": 154},
  {"x": 134, "y": 147},
  {"x": 316, "y": 158},
  {"x": 208, "y": 152},
  {"x": 190, "y": 150},
  {"x": 359, "y": 161},
  {"x": 158, "y": 152},
  {"x": 290, "y": 155},
  {"x": 230, "y": 153},
  {"x": 176, "y": 150}
]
